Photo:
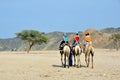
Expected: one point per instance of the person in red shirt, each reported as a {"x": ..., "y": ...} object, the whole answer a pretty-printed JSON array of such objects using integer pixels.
[{"x": 76, "y": 40}]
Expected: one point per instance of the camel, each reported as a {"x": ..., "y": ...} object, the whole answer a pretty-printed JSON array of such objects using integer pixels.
[
  {"x": 76, "y": 54},
  {"x": 89, "y": 51},
  {"x": 66, "y": 53}
]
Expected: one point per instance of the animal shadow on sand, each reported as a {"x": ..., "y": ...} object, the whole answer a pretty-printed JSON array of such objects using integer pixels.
[
  {"x": 57, "y": 65},
  {"x": 70, "y": 66}
]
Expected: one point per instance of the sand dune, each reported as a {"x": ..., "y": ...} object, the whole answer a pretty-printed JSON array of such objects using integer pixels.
[{"x": 46, "y": 65}]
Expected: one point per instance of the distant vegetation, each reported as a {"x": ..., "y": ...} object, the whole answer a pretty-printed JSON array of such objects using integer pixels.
[
  {"x": 116, "y": 40},
  {"x": 101, "y": 39},
  {"x": 32, "y": 37}
]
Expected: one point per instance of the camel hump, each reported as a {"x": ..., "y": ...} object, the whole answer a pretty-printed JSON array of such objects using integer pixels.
[{"x": 66, "y": 48}]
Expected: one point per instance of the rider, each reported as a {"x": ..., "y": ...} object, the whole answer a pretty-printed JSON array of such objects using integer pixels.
[
  {"x": 65, "y": 38},
  {"x": 61, "y": 45},
  {"x": 88, "y": 39},
  {"x": 76, "y": 40},
  {"x": 64, "y": 41}
]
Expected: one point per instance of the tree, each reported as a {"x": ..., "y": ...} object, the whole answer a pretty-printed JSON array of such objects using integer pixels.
[
  {"x": 32, "y": 37},
  {"x": 116, "y": 40}
]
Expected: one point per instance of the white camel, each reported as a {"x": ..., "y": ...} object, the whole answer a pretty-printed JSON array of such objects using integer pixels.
[
  {"x": 76, "y": 54},
  {"x": 66, "y": 53}
]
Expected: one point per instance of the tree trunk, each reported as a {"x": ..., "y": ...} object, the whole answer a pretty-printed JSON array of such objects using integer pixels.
[
  {"x": 29, "y": 47},
  {"x": 117, "y": 45}
]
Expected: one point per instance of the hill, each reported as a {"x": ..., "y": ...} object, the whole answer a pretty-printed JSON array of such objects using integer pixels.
[
  {"x": 110, "y": 30},
  {"x": 10, "y": 44},
  {"x": 100, "y": 40}
]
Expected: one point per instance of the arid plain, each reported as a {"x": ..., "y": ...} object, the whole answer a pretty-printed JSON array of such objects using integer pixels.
[{"x": 46, "y": 65}]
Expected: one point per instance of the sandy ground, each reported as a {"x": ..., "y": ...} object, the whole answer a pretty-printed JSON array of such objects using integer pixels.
[{"x": 46, "y": 65}]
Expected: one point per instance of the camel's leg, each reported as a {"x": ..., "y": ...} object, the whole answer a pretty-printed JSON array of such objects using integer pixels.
[
  {"x": 92, "y": 54},
  {"x": 68, "y": 61},
  {"x": 74, "y": 60},
  {"x": 88, "y": 59},
  {"x": 92, "y": 62},
  {"x": 67, "y": 55},
  {"x": 62, "y": 59},
  {"x": 78, "y": 60},
  {"x": 65, "y": 60}
]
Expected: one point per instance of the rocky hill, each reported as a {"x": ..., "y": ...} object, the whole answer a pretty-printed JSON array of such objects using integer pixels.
[
  {"x": 9, "y": 44},
  {"x": 110, "y": 30},
  {"x": 101, "y": 39}
]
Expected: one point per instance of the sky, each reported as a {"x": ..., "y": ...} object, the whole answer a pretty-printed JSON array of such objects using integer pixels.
[{"x": 57, "y": 15}]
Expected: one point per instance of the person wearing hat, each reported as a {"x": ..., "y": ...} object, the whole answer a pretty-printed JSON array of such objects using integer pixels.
[
  {"x": 76, "y": 39},
  {"x": 65, "y": 38},
  {"x": 63, "y": 41},
  {"x": 88, "y": 39}
]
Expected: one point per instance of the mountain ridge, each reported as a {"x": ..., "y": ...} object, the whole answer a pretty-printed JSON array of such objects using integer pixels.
[{"x": 100, "y": 40}]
